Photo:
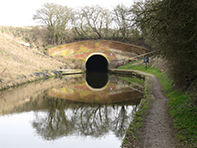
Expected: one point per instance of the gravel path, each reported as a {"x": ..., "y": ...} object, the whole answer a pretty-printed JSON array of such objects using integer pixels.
[{"x": 158, "y": 130}]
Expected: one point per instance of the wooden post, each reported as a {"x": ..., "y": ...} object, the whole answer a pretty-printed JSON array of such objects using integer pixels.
[{"x": 146, "y": 66}]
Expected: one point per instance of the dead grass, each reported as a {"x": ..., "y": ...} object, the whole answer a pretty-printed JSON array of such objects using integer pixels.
[{"x": 17, "y": 59}]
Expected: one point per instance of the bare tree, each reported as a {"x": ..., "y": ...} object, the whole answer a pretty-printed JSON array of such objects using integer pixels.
[
  {"x": 79, "y": 25},
  {"x": 64, "y": 24},
  {"x": 121, "y": 19},
  {"x": 96, "y": 18},
  {"x": 55, "y": 18}
]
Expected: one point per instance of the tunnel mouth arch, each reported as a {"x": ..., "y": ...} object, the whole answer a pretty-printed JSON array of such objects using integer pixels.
[{"x": 97, "y": 63}]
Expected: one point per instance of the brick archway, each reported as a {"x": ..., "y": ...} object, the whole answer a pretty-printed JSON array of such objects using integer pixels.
[{"x": 97, "y": 62}]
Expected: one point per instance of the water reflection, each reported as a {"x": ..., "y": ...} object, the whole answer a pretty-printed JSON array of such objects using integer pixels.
[
  {"x": 66, "y": 118},
  {"x": 71, "y": 106},
  {"x": 97, "y": 80},
  {"x": 96, "y": 90}
]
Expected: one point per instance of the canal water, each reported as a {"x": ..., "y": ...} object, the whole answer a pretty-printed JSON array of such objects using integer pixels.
[{"x": 74, "y": 111}]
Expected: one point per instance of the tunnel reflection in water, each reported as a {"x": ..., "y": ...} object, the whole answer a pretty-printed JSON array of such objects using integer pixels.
[
  {"x": 97, "y": 80},
  {"x": 97, "y": 63},
  {"x": 97, "y": 88}
]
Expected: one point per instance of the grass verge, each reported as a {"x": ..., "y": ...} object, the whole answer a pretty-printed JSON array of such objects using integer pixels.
[
  {"x": 133, "y": 134},
  {"x": 181, "y": 107}
]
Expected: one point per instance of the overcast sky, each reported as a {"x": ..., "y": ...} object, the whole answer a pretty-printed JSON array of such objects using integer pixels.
[{"x": 20, "y": 12}]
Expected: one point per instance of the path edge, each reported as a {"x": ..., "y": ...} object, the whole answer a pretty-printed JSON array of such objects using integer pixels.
[{"x": 133, "y": 137}]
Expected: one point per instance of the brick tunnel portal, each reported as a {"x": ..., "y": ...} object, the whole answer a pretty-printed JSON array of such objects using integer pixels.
[{"x": 97, "y": 63}]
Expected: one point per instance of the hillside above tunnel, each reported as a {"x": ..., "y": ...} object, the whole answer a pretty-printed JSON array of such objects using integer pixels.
[
  {"x": 88, "y": 46},
  {"x": 114, "y": 52}
]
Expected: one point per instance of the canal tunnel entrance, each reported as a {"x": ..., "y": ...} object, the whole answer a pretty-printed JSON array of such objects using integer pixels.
[{"x": 97, "y": 63}]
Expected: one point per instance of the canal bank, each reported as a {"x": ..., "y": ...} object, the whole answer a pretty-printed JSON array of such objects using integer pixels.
[
  {"x": 152, "y": 125},
  {"x": 180, "y": 106},
  {"x": 23, "y": 79}
]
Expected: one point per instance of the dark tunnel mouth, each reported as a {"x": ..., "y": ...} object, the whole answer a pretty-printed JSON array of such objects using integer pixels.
[{"x": 97, "y": 63}]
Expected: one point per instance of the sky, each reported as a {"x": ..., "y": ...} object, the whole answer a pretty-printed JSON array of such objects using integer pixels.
[{"x": 20, "y": 12}]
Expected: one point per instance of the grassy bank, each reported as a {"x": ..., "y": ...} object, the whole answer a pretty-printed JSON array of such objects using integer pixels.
[
  {"x": 133, "y": 134},
  {"x": 181, "y": 106}
]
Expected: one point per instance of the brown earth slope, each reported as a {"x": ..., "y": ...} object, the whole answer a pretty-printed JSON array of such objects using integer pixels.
[{"x": 17, "y": 59}]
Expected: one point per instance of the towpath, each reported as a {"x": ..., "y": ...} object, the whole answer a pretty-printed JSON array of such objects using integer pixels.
[{"x": 158, "y": 131}]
